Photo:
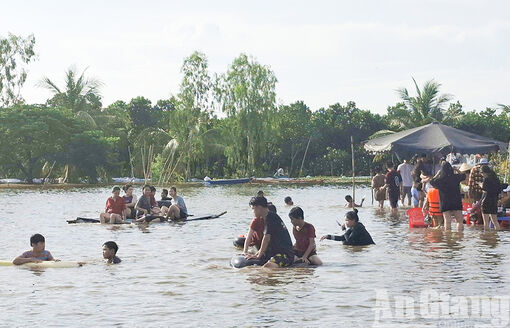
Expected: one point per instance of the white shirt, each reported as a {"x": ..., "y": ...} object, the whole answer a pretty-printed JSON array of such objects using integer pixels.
[{"x": 405, "y": 170}]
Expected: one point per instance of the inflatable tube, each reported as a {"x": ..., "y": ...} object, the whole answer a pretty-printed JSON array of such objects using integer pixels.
[
  {"x": 46, "y": 264},
  {"x": 239, "y": 241},
  {"x": 240, "y": 261}
]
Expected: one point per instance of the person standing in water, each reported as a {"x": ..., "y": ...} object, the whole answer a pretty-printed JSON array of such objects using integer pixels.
[
  {"x": 450, "y": 199},
  {"x": 491, "y": 187},
  {"x": 378, "y": 186},
  {"x": 393, "y": 180}
]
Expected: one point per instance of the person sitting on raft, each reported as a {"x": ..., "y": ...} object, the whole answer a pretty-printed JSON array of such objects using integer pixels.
[
  {"x": 164, "y": 195},
  {"x": 155, "y": 208},
  {"x": 143, "y": 206},
  {"x": 37, "y": 254},
  {"x": 351, "y": 203},
  {"x": 178, "y": 210},
  {"x": 115, "y": 208},
  {"x": 130, "y": 199},
  {"x": 110, "y": 249},
  {"x": 356, "y": 233},
  {"x": 288, "y": 201},
  {"x": 276, "y": 247},
  {"x": 304, "y": 233}
]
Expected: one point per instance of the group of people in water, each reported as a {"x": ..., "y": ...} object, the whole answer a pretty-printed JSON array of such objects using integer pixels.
[
  {"x": 145, "y": 209},
  {"x": 440, "y": 195},
  {"x": 271, "y": 239},
  {"x": 38, "y": 253}
]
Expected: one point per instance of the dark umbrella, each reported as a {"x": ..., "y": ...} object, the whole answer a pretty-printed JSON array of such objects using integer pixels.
[{"x": 434, "y": 138}]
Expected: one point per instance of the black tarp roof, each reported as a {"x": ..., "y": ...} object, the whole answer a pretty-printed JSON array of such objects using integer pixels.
[{"x": 434, "y": 138}]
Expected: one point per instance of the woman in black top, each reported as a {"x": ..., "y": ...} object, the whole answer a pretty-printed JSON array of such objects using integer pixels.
[
  {"x": 356, "y": 234},
  {"x": 450, "y": 199},
  {"x": 491, "y": 189}
]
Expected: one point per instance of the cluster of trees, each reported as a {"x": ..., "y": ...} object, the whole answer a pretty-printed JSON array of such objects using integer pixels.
[{"x": 223, "y": 125}]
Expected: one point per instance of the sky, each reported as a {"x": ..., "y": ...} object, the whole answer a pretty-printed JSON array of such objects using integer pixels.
[{"x": 322, "y": 52}]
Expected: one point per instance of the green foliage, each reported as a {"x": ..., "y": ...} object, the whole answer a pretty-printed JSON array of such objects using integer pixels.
[
  {"x": 424, "y": 108},
  {"x": 80, "y": 94},
  {"x": 15, "y": 52}
]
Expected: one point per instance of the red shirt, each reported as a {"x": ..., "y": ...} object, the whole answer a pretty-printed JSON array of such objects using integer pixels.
[
  {"x": 257, "y": 225},
  {"x": 303, "y": 236},
  {"x": 115, "y": 206},
  {"x": 154, "y": 203}
]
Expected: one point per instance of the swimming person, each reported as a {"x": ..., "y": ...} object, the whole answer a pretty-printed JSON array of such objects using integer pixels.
[
  {"x": 276, "y": 248},
  {"x": 130, "y": 199},
  {"x": 178, "y": 210},
  {"x": 450, "y": 199},
  {"x": 288, "y": 201},
  {"x": 356, "y": 234},
  {"x": 110, "y": 249},
  {"x": 36, "y": 254},
  {"x": 304, "y": 233},
  {"x": 351, "y": 203},
  {"x": 115, "y": 208}
]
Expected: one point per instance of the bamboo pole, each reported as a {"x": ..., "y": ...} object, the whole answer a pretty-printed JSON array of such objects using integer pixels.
[
  {"x": 304, "y": 156},
  {"x": 353, "y": 173},
  {"x": 507, "y": 162}
]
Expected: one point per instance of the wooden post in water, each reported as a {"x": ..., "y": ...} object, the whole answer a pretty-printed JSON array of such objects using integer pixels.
[
  {"x": 507, "y": 162},
  {"x": 353, "y": 173}
]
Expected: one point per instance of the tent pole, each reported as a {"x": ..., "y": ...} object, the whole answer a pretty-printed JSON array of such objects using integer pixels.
[
  {"x": 507, "y": 162},
  {"x": 353, "y": 174}
]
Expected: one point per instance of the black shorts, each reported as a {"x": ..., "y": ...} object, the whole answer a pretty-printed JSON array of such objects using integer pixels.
[
  {"x": 393, "y": 198},
  {"x": 283, "y": 260},
  {"x": 300, "y": 254}
]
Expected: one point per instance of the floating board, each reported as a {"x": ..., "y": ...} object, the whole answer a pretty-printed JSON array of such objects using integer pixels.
[
  {"x": 207, "y": 217},
  {"x": 45, "y": 264},
  {"x": 91, "y": 220}
]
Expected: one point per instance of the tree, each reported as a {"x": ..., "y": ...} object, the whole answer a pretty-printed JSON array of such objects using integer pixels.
[
  {"x": 246, "y": 92},
  {"x": 15, "y": 52},
  {"x": 32, "y": 135},
  {"x": 424, "y": 108},
  {"x": 293, "y": 126},
  {"x": 80, "y": 94}
]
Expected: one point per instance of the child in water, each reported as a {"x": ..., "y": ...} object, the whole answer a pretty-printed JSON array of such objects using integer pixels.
[
  {"x": 351, "y": 203},
  {"x": 356, "y": 234},
  {"x": 110, "y": 249},
  {"x": 37, "y": 254},
  {"x": 304, "y": 233}
]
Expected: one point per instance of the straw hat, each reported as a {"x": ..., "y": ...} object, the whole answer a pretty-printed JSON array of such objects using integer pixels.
[{"x": 465, "y": 167}]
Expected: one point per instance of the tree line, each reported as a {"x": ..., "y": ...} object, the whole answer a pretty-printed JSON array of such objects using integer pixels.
[{"x": 217, "y": 125}]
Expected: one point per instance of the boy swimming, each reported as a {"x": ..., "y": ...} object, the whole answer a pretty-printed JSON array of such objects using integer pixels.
[
  {"x": 37, "y": 254},
  {"x": 110, "y": 249}
]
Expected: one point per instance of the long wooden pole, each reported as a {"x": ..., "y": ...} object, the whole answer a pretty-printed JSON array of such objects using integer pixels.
[
  {"x": 304, "y": 156},
  {"x": 353, "y": 173},
  {"x": 507, "y": 162}
]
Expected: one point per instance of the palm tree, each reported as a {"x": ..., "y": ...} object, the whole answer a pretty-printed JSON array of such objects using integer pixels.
[
  {"x": 80, "y": 94},
  {"x": 424, "y": 108}
]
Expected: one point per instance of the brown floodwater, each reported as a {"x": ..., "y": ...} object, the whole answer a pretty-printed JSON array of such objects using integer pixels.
[{"x": 179, "y": 274}]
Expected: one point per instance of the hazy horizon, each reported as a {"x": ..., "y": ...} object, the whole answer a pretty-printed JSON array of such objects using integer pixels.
[{"x": 322, "y": 54}]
